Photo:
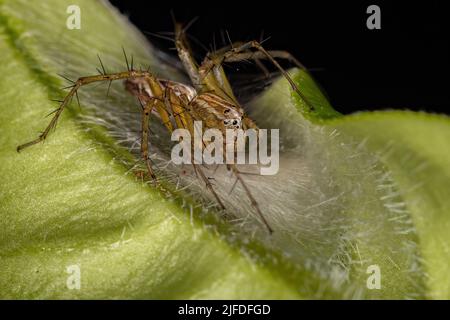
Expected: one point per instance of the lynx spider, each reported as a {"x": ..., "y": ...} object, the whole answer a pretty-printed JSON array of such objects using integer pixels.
[{"x": 210, "y": 99}]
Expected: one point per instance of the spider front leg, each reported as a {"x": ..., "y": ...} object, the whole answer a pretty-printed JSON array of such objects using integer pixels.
[
  {"x": 242, "y": 53},
  {"x": 131, "y": 74},
  {"x": 256, "y": 56},
  {"x": 259, "y": 55},
  {"x": 186, "y": 56}
]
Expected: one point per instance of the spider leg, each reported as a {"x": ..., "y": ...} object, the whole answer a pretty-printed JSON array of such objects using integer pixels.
[
  {"x": 259, "y": 55},
  {"x": 253, "y": 201},
  {"x": 145, "y": 136},
  {"x": 185, "y": 54},
  {"x": 203, "y": 83},
  {"x": 242, "y": 53},
  {"x": 85, "y": 81},
  {"x": 223, "y": 50}
]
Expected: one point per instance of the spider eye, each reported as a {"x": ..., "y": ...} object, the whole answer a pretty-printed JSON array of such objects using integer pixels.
[
  {"x": 235, "y": 122},
  {"x": 226, "y": 111},
  {"x": 225, "y": 121}
]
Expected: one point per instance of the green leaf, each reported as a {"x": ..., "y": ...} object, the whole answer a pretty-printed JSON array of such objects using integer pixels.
[
  {"x": 416, "y": 149},
  {"x": 367, "y": 189}
]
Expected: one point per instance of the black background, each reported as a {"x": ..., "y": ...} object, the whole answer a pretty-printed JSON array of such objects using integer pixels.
[
  {"x": 405, "y": 65},
  {"x": 168, "y": 309}
]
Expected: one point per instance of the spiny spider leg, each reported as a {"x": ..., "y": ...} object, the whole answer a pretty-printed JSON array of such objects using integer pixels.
[
  {"x": 145, "y": 135},
  {"x": 73, "y": 91},
  {"x": 209, "y": 185},
  {"x": 219, "y": 52},
  {"x": 256, "y": 55},
  {"x": 240, "y": 53},
  {"x": 132, "y": 74},
  {"x": 186, "y": 56},
  {"x": 201, "y": 83}
]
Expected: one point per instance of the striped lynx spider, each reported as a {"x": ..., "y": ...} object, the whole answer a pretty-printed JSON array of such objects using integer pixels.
[{"x": 209, "y": 99}]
